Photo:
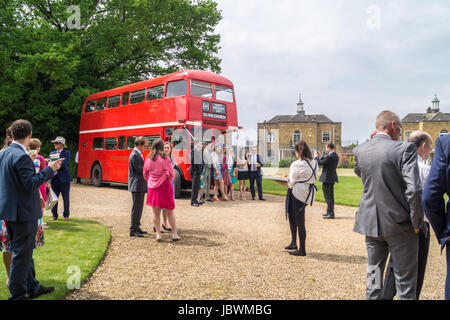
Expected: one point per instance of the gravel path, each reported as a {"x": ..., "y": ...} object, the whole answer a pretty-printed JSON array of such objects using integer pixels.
[{"x": 231, "y": 250}]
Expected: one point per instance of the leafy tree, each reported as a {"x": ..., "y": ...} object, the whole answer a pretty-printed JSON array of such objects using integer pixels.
[{"x": 48, "y": 68}]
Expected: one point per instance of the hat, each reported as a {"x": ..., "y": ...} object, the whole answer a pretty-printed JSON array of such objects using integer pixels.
[{"x": 60, "y": 140}]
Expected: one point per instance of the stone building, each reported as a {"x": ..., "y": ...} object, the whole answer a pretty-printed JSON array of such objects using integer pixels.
[
  {"x": 278, "y": 136},
  {"x": 433, "y": 121}
]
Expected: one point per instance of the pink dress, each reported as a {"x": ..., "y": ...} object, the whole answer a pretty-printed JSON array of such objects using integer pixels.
[
  {"x": 159, "y": 174},
  {"x": 43, "y": 187}
]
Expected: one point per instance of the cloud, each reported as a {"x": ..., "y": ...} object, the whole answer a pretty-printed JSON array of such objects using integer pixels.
[{"x": 272, "y": 50}]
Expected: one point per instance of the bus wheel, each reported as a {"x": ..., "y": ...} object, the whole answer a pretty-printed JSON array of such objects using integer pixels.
[
  {"x": 177, "y": 184},
  {"x": 97, "y": 175}
]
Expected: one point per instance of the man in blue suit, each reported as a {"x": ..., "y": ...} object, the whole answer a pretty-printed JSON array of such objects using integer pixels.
[
  {"x": 61, "y": 181},
  {"x": 20, "y": 208},
  {"x": 433, "y": 199}
]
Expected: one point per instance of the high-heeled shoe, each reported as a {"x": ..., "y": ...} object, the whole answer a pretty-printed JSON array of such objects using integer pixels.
[
  {"x": 291, "y": 247},
  {"x": 176, "y": 237},
  {"x": 158, "y": 238},
  {"x": 165, "y": 228},
  {"x": 225, "y": 199},
  {"x": 154, "y": 230},
  {"x": 216, "y": 199}
]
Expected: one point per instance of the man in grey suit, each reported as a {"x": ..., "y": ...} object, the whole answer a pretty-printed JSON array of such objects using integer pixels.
[
  {"x": 390, "y": 214},
  {"x": 137, "y": 185}
]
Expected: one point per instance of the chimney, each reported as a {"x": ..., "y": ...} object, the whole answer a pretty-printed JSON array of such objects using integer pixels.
[{"x": 300, "y": 108}]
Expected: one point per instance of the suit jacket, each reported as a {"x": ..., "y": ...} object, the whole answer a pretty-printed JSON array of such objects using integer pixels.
[
  {"x": 391, "y": 199},
  {"x": 19, "y": 186},
  {"x": 329, "y": 163},
  {"x": 136, "y": 181},
  {"x": 64, "y": 175},
  {"x": 437, "y": 184},
  {"x": 258, "y": 160},
  {"x": 196, "y": 156}
]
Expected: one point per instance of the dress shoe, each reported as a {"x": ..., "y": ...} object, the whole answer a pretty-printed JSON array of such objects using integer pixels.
[
  {"x": 142, "y": 231},
  {"x": 53, "y": 218},
  {"x": 42, "y": 290},
  {"x": 66, "y": 219},
  {"x": 298, "y": 253},
  {"x": 195, "y": 204},
  {"x": 201, "y": 202},
  {"x": 136, "y": 234},
  {"x": 209, "y": 200},
  {"x": 262, "y": 199},
  {"x": 329, "y": 216},
  {"x": 291, "y": 247},
  {"x": 165, "y": 228}
]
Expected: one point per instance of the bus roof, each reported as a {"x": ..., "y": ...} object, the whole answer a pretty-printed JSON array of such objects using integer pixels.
[{"x": 186, "y": 74}]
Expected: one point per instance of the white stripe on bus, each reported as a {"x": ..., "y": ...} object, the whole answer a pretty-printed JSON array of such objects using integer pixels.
[{"x": 154, "y": 125}]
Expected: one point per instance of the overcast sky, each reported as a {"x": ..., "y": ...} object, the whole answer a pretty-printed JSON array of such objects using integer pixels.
[{"x": 350, "y": 59}]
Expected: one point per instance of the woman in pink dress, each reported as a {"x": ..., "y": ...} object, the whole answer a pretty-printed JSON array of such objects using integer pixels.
[{"x": 158, "y": 172}]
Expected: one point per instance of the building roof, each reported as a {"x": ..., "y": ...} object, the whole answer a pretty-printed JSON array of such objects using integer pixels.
[
  {"x": 427, "y": 117},
  {"x": 298, "y": 118}
]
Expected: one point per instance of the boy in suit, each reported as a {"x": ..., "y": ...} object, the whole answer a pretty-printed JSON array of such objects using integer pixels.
[
  {"x": 137, "y": 185},
  {"x": 20, "y": 208}
]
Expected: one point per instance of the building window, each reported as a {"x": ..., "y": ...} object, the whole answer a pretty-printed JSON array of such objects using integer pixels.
[
  {"x": 270, "y": 155},
  {"x": 297, "y": 137},
  {"x": 407, "y": 134},
  {"x": 271, "y": 137},
  {"x": 443, "y": 133},
  {"x": 326, "y": 136}
]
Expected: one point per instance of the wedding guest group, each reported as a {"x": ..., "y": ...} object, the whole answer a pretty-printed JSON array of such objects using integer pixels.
[{"x": 21, "y": 209}]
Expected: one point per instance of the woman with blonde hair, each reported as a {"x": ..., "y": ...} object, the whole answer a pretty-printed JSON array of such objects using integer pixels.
[
  {"x": 217, "y": 159},
  {"x": 243, "y": 176},
  {"x": 158, "y": 172}
]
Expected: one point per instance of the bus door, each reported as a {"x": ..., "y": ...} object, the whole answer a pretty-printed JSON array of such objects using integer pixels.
[{"x": 181, "y": 148}]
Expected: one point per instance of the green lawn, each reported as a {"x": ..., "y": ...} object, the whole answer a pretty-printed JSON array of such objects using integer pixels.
[
  {"x": 78, "y": 242},
  {"x": 347, "y": 192}
]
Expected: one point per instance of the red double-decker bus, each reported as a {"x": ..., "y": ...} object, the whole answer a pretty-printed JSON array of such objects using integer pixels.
[{"x": 171, "y": 107}]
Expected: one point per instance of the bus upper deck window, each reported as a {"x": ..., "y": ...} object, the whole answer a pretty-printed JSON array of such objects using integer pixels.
[
  {"x": 90, "y": 106},
  {"x": 137, "y": 96},
  {"x": 201, "y": 89},
  {"x": 114, "y": 102},
  {"x": 155, "y": 93},
  {"x": 101, "y": 104},
  {"x": 176, "y": 89},
  {"x": 224, "y": 94},
  {"x": 125, "y": 98}
]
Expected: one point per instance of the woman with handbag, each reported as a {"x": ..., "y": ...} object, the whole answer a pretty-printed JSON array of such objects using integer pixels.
[{"x": 301, "y": 191}]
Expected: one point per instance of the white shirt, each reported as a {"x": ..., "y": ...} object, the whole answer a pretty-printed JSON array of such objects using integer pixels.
[
  {"x": 22, "y": 146},
  {"x": 230, "y": 161},
  {"x": 301, "y": 171},
  {"x": 424, "y": 171},
  {"x": 139, "y": 151}
]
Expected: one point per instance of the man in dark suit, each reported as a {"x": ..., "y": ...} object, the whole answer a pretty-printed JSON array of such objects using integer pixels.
[
  {"x": 328, "y": 177},
  {"x": 20, "y": 208},
  {"x": 255, "y": 173},
  {"x": 196, "y": 171},
  {"x": 137, "y": 185},
  {"x": 61, "y": 180},
  {"x": 433, "y": 199}
]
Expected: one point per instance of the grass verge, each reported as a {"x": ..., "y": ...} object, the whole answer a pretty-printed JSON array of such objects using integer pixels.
[{"x": 69, "y": 245}]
